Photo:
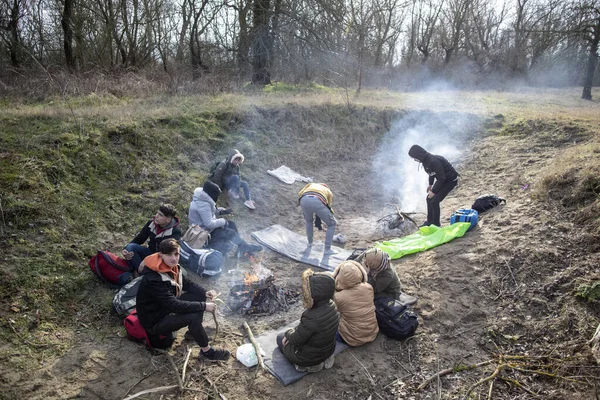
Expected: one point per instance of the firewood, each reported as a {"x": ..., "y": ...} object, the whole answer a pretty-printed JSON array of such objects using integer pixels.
[{"x": 256, "y": 346}]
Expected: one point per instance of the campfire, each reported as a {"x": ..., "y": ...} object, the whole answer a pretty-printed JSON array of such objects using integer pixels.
[
  {"x": 257, "y": 293},
  {"x": 398, "y": 220}
]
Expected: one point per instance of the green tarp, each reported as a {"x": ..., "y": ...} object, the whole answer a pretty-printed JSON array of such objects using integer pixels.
[{"x": 427, "y": 238}]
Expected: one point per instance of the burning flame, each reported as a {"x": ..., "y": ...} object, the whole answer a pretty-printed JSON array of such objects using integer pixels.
[{"x": 250, "y": 278}]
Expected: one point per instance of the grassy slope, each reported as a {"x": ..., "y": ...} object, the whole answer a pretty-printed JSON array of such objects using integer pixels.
[{"x": 81, "y": 174}]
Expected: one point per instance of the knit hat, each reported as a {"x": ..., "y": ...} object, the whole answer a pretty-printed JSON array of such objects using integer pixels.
[
  {"x": 375, "y": 260},
  {"x": 212, "y": 189}
]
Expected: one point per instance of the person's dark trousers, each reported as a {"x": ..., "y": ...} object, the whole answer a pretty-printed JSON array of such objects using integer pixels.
[
  {"x": 222, "y": 237},
  {"x": 433, "y": 204},
  {"x": 173, "y": 322},
  {"x": 234, "y": 182},
  {"x": 280, "y": 341}
]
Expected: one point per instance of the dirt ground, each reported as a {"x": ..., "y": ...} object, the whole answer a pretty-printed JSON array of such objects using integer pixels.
[{"x": 503, "y": 290}]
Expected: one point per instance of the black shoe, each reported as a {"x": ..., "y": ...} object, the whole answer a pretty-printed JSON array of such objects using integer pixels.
[
  {"x": 216, "y": 354},
  {"x": 248, "y": 250},
  {"x": 424, "y": 224}
]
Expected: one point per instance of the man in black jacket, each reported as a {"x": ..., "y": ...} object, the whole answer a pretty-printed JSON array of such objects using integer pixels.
[
  {"x": 167, "y": 300},
  {"x": 442, "y": 173},
  {"x": 164, "y": 225}
]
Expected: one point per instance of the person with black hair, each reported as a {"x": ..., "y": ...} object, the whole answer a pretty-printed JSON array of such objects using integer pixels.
[
  {"x": 223, "y": 233},
  {"x": 168, "y": 300},
  {"x": 442, "y": 179},
  {"x": 164, "y": 225}
]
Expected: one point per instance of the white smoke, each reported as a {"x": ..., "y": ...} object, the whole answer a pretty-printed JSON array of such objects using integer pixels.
[{"x": 404, "y": 181}]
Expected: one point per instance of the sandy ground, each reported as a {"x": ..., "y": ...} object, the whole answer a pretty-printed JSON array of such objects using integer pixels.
[{"x": 503, "y": 289}]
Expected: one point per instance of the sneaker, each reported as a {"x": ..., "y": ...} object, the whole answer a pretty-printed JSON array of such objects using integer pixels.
[
  {"x": 250, "y": 204},
  {"x": 339, "y": 238},
  {"x": 424, "y": 224},
  {"x": 216, "y": 354},
  {"x": 248, "y": 249},
  {"x": 329, "y": 362},
  {"x": 233, "y": 194},
  {"x": 311, "y": 369}
]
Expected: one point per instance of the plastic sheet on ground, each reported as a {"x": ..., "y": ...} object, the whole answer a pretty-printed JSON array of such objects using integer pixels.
[{"x": 287, "y": 175}]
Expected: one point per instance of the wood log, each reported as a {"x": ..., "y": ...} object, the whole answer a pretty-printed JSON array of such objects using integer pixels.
[{"x": 256, "y": 346}]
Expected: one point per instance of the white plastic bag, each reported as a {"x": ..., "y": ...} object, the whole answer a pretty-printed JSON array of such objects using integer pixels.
[{"x": 247, "y": 355}]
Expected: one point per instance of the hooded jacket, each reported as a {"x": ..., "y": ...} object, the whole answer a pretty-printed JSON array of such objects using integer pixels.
[
  {"x": 381, "y": 275},
  {"x": 203, "y": 211},
  {"x": 225, "y": 169},
  {"x": 313, "y": 340},
  {"x": 160, "y": 289},
  {"x": 438, "y": 168},
  {"x": 156, "y": 234},
  {"x": 354, "y": 301}
]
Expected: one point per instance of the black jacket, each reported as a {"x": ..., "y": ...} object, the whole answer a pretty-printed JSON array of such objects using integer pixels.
[
  {"x": 438, "y": 168},
  {"x": 156, "y": 298},
  {"x": 155, "y": 234}
]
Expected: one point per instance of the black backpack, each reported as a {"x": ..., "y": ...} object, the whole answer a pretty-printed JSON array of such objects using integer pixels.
[
  {"x": 125, "y": 300},
  {"x": 213, "y": 168},
  {"x": 395, "y": 320},
  {"x": 487, "y": 202}
]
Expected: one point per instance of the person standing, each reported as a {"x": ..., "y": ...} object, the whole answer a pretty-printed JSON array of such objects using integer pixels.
[
  {"x": 442, "y": 179},
  {"x": 227, "y": 176},
  {"x": 168, "y": 300},
  {"x": 164, "y": 225},
  {"x": 316, "y": 199}
]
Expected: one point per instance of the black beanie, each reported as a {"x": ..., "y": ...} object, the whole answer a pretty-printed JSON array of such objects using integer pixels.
[{"x": 212, "y": 189}]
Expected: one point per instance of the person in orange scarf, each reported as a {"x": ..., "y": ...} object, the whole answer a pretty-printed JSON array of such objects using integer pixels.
[{"x": 167, "y": 300}]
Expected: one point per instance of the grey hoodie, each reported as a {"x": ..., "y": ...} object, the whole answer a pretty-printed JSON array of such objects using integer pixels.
[{"x": 203, "y": 211}]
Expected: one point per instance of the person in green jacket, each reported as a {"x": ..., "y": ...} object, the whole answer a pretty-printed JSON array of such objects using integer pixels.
[
  {"x": 311, "y": 344},
  {"x": 382, "y": 276}
]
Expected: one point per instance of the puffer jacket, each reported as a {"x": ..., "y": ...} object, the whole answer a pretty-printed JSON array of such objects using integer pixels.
[
  {"x": 203, "y": 212},
  {"x": 354, "y": 301},
  {"x": 156, "y": 234},
  {"x": 438, "y": 168},
  {"x": 313, "y": 340},
  {"x": 160, "y": 289},
  {"x": 225, "y": 169}
]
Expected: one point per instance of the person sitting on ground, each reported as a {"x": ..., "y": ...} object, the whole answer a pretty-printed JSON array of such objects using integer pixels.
[
  {"x": 168, "y": 300},
  {"x": 442, "y": 173},
  {"x": 164, "y": 225},
  {"x": 354, "y": 301},
  {"x": 227, "y": 176},
  {"x": 204, "y": 213},
  {"x": 316, "y": 199},
  {"x": 382, "y": 276},
  {"x": 311, "y": 344}
]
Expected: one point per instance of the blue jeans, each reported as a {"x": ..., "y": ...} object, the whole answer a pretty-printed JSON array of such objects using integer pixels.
[
  {"x": 234, "y": 182},
  {"x": 139, "y": 253}
]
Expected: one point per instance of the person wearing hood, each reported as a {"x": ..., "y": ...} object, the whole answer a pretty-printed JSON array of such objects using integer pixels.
[
  {"x": 223, "y": 233},
  {"x": 168, "y": 300},
  {"x": 311, "y": 344},
  {"x": 381, "y": 276},
  {"x": 442, "y": 179},
  {"x": 354, "y": 301},
  {"x": 227, "y": 176},
  {"x": 164, "y": 225},
  {"x": 316, "y": 199}
]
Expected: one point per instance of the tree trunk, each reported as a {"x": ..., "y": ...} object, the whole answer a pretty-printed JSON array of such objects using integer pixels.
[
  {"x": 260, "y": 44},
  {"x": 13, "y": 28},
  {"x": 595, "y": 343},
  {"x": 591, "y": 63},
  {"x": 66, "y": 23}
]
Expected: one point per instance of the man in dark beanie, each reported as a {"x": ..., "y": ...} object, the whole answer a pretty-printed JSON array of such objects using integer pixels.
[
  {"x": 442, "y": 179},
  {"x": 223, "y": 233},
  {"x": 164, "y": 225}
]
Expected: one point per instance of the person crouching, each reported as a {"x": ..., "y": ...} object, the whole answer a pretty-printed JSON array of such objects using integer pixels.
[{"x": 167, "y": 300}]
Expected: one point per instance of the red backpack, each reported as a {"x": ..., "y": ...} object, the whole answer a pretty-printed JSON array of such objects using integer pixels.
[
  {"x": 111, "y": 268},
  {"x": 137, "y": 333}
]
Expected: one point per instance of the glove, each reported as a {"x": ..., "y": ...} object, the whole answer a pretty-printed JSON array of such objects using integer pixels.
[
  {"x": 318, "y": 224},
  {"x": 225, "y": 211}
]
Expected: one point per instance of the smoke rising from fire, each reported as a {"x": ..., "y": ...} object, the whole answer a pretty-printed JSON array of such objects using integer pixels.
[{"x": 404, "y": 181}]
